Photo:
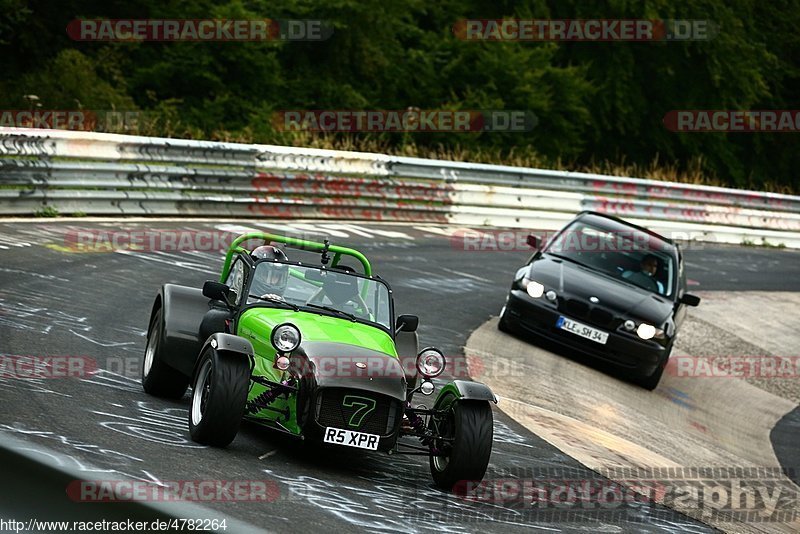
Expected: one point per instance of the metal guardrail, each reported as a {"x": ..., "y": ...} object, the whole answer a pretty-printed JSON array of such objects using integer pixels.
[
  {"x": 35, "y": 492},
  {"x": 110, "y": 174}
]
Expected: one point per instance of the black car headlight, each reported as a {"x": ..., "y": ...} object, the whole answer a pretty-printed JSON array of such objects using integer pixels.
[
  {"x": 648, "y": 331},
  {"x": 285, "y": 337},
  {"x": 534, "y": 288}
]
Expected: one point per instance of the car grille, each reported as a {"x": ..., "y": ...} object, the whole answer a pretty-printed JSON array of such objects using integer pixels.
[
  {"x": 578, "y": 309},
  {"x": 332, "y": 412}
]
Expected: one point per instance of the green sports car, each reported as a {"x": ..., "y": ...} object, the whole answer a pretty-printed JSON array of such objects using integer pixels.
[{"x": 313, "y": 351}]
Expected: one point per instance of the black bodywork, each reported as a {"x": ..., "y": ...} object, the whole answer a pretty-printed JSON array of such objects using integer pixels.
[{"x": 604, "y": 302}]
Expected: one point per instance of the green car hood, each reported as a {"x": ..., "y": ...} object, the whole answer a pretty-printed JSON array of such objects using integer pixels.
[
  {"x": 257, "y": 323},
  {"x": 333, "y": 351}
]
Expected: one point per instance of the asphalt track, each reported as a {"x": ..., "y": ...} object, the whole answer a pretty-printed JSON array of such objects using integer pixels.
[{"x": 57, "y": 302}]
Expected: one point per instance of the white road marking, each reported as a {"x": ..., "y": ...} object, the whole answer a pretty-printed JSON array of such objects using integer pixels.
[{"x": 461, "y": 273}]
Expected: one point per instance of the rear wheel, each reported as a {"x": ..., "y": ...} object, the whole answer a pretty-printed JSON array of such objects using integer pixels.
[
  {"x": 158, "y": 378},
  {"x": 219, "y": 395},
  {"x": 467, "y": 445}
]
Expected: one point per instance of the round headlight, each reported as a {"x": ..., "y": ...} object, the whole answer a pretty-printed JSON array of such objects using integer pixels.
[
  {"x": 426, "y": 388},
  {"x": 430, "y": 362},
  {"x": 285, "y": 337},
  {"x": 535, "y": 289},
  {"x": 282, "y": 363},
  {"x": 646, "y": 331},
  {"x": 629, "y": 325},
  {"x": 551, "y": 295}
]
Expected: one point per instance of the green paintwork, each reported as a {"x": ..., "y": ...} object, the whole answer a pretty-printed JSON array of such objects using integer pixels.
[
  {"x": 448, "y": 390},
  {"x": 256, "y": 325}
]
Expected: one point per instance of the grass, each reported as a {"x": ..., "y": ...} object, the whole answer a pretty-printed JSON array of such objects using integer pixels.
[
  {"x": 47, "y": 211},
  {"x": 764, "y": 243}
]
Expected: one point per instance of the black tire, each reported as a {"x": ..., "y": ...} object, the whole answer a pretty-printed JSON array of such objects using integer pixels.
[
  {"x": 651, "y": 382},
  {"x": 502, "y": 324},
  {"x": 312, "y": 436},
  {"x": 219, "y": 396},
  {"x": 470, "y": 423},
  {"x": 158, "y": 378}
]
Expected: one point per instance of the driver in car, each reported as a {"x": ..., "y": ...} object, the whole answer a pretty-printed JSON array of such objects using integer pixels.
[
  {"x": 270, "y": 279},
  {"x": 342, "y": 292},
  {"x": 645, "y": 276}
]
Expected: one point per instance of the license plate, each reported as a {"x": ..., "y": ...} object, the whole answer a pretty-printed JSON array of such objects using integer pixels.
[
  {"x": 340, "y": 436},
  {"x": 580, "y": 329}
]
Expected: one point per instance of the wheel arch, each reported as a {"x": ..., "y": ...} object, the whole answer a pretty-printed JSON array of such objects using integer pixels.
[
  {"x": 226, "y": 344},
  {"x": 466, "y": 390}
]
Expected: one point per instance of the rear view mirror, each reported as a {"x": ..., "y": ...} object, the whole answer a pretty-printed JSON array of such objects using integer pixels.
[
  {"x": 407, "y": 323},
  {"x": 216, "y": 290},
  {"x": 690, "y": 300},
  {"x": 534, "y": 242}
]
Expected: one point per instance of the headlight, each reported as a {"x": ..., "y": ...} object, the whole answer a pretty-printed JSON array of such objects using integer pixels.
[
  {"x": 430, "y": 362},
  {"x": 285, "y": 337},
  {"x": 648, "y": 331},
  {"x": 534, "y": 288}
]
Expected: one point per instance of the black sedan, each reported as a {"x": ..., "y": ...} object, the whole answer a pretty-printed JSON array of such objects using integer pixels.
[{"x": 606, "y": 288}]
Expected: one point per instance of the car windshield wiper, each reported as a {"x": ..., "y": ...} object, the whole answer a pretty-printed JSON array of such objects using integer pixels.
[
  {"x": 334, "y": 310},
  {"x": 294, "y": 307},
  {"x": 571, "y": 260}
]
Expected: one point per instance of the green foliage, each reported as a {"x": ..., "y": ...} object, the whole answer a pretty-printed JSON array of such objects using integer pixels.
[
  {"x": 47, "y": 211},
  {"x": 595, "y": 102}
]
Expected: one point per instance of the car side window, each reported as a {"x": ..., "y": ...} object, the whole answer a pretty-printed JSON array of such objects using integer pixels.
[{"x": 236, "y": 279}]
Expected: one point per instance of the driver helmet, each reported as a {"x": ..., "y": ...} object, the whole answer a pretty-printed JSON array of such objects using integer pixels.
[{"x": 269, "y": 278}]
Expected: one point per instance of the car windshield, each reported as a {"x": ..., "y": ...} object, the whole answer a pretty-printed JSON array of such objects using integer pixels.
[
  {"x": 629, "y": 255},
  {"x": 312, "y": 288}
]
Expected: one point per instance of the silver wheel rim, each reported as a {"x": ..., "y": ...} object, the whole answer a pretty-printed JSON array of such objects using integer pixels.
[
  {"x": 149, "y": 353},
  {"x": 440, "y": 462},
  {"x": 200, "y": 393}
]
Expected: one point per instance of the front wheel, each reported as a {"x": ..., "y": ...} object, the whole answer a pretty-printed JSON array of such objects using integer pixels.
[
  {"x": 502, "y": 323},
  {"x": 651, "y": 382},
  {"x": 464, "y": 445},
  {"x": 219, "y": 395}
]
